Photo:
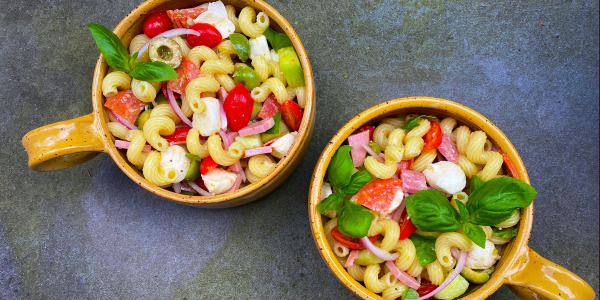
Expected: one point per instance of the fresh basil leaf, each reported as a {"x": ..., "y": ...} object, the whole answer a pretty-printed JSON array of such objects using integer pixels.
[
  {"x": 354, "y": 220},
  {"x": 409, "y": 293},
  {"x": 333, "y": 202},
  {"x": 497, "y": 199},
  {"x": 475, "y": 233},
  {"x": 425, "y": 246},
  {"x": 153, "y": 71},
  {"x": 276, "y": 39},
  {"x": 414, "y": 122},
  {"x": 357, "y": 181},
  {"x": 340, "y": 168},
  {"x": 193, "y": 157},
  {"x": 476, "y": 183},
  {"x": 505, "y": 233},
  {"x": 133, "y": 58},
  {"x": 111, "y": 47},
  {"x": 462, "y": 210},
  {"x": 275, "y": 128},
  {"x": 429, "y": 210}
]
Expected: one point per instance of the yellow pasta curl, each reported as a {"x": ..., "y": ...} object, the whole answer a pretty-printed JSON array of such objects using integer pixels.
[
  {"x": 251, "y": 24},
  {"x": 154, "y": 128},
  {"x": 261, "y": 165},
  {"x": 154, "y": 173},
  {"x": 222, "y": 157}
]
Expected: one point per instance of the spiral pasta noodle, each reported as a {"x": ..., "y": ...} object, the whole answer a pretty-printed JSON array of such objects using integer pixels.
[
  {"x": 251, "y": 24},
  {"x": 134, "y": 152},
  {"x": 232, "y": 16},
  {"x": 194, "y": 145},
  {"x": 449, "y": 240},
  {"x": 115, "y": 81},
  {"x": 194, "y": 90},
  {"x": 261, "y": 165},
  {"x": 274, "y": 85},
  {"x": 154, "y": 128},
  {"x": 117, "y": 129},
  {"x": 219, "y": 155},
  {"x": 154, "y": 173}
]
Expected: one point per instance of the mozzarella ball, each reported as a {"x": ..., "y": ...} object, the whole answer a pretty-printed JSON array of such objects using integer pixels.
[
  {"x": 259, "y": 47},
  {"x": 174, "y": 157},
  {"x": 480, "y": 258},
  {"x": 446, "y": 176},
  {"x": 282, "y": 145},
  {"x": 209, "y": 121},
  {"x": 218, "y": 181}
]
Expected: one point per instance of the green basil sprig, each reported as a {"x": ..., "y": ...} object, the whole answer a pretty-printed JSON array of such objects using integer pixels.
[
  {"x": 354, "y": 220},
  {"x": 117, "y": 56},
  {"x": 489, "y": 204},
  {"x": 414, "y": 122},
  {"x": 505, "y": 233},
  {"x": 409, "y": 293},
  {"x": 425, "y": 246}
]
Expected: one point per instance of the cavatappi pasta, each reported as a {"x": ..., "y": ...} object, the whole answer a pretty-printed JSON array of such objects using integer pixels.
[
  {"x": 182, "y": 134},
  {"x": 401, "y": 161}
]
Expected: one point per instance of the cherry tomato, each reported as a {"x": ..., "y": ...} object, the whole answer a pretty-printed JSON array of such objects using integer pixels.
[
  {"x": 207, "y": 165},
  {"x": 348, "y": 241},
  {"x": 238, "y": 107},
  {"x": 291, "y": 114},
  {"x": 403, "y": 165},
  {"x": 126, "y": 105},
  {"x": 368, "y": 128},
  {"x": 426, "y": 288},
  {"x": 179, "y": 135},
  {"x": 200, "y": 182},
  {"x": 378, "y": 195},
  {"x": 156, "y": 24},
  {"x": 186, "y": 71},
  {"x": 209, "y": 36},
  {"x": 433, "y": 137},
  {"x": 406, "y": 227},
  {"x": 510, "y": 167},
  {"x": 180, "y": 17}
]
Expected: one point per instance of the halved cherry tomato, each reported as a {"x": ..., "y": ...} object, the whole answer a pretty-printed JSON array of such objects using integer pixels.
[
  {"x": 510, "y": 167},
  {"x": 179, "y": 135},
  {"x": 207, "y": 165},
  {"x": 291, "y": 114},
  {"x": 433, "y": 137},
  {"x": 348, "y": 241},
  {"x": 403, "y": 165},
  {"x": 186, "y": 71},
  {"x": 126, "y": 105},
  {"x": 378, "y": 195},
  {"x": 238, "y": 107},
  {"x": 182, "y": 17},
  {"x": 209, "y": 36},
  {"x": 426, "y": 288},
  {"x": 156, "y": 24},
  {"x": 368, "y": 128},
  {"x": 406, "y": 227}
]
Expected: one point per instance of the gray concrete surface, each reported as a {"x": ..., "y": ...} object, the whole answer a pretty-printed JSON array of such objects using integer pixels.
[{"x": 89, "y": 232}]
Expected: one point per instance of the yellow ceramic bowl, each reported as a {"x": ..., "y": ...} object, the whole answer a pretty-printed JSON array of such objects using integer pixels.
[
  {"x": 72, "y": 142},
  {"x": 528, "y": 275}
]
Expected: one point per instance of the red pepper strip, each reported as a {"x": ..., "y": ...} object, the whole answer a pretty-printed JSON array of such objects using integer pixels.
[
  {"x": 207, "y": 165},
  {"x": 179, "y": 135},
  {"x": 433, "y": 137},
  {"x": 406, "y": 227},
  {"x": 426, "y": 288},
  {"x": 510, "y": 167},
  {"x": 348, "y": 241}
]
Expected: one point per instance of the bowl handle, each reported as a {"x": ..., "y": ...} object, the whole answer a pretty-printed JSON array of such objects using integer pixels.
[
  {"x": 535, "y": 277},
  {"x": 63, "y": 144}
]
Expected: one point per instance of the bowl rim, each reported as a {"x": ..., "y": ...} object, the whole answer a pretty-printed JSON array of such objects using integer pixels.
[
  {"x": 464, "y": 115},
  {"x": 278, "y": 173}
]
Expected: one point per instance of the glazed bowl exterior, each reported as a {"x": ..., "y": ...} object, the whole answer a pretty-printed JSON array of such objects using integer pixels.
[
  {"x": 75, "y": 141},
  {"x": 528, "y": 275}
]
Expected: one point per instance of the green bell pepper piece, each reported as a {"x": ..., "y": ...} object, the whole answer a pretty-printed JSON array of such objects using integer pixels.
[
  {"x": 276, "y": 39},
  {"x": 247, "y": 76},
  {"x": 144, "y": 116},
  {"x": 194, "y": 171},
  {"x": 240, "y": 45},
  {"x": 291, "y": 67}
]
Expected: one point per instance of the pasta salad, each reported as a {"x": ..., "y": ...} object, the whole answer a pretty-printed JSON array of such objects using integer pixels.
[
  {"x": 206, "y": 100},
  {"x": 418, "y": 207}
]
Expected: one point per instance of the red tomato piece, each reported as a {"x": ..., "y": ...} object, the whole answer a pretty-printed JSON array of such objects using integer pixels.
[
  {"x": 179, "y": 135},
  {"x": 510, "y": 167},
  {"x": 368, "y": 128},
  {"x": 209, "y": 36},
  {"x": 378, "y": 195},
  {"x": 270, "y": 108},
  {"x": 126, "y": 105},
  {"x": 426, "y": 288},
  {"x": 404, "y": 165},
  {"x": 238, "y": 107},
  {"x": 186, "y": 71},
  {"x": 348, "y": 241},
  {"x": 433, "y": 137},
  {"x": 207, "y": 165},
  {"x": 291, "y": 114},
  {"x": 156, "y": 24},
  {"x": 200, "y": 182},
  {"x": 182, "y": 18},
  {"x": 406, "y": 227}
]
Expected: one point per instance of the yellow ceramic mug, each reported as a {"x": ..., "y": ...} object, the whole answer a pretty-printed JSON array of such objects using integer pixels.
[
  {"x": 68, "y": 143},
  {"x": 528, "y": 275}
]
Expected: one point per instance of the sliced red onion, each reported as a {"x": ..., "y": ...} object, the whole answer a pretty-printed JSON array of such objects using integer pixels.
[
  {"x": 398, "y": 212},
  {"x": 373, "y": 153},
  {"x": 177, "y": 143},
  {"x": 243, "y": 174},
  {"x": 462, "y": 259},
  {"x": 169, "y": 33},
  {"x": 223, "y": 116},
  {"x": 222, "y": 94},
  {"x": 198, "y": 189},
  {"x": 177, "y": 187},
  {"x": 125, "y": 145},
  {"x": 403, "y": 276},
  {"x": 455, "y": 252},
  {"x": 124, "y": 122},
  {"x": 378, "y": 251},
  {"x": 186, "y": 187},
  {"x": 154, "y": 104},
  {"x": 177, "y": 109},
  {"x": 225, "y": 138},
  {"x": 351, "y": 257},
  {"x": 236, "y": 184}
]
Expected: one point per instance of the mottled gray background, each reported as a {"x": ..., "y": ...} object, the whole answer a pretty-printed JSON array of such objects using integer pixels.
[{"x": 90, "y": 232}]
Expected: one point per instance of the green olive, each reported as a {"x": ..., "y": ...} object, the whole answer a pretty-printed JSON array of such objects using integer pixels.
[{"x": 165, "y": 50}]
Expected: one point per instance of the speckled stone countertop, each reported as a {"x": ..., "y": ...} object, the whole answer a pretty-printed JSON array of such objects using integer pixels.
[{"x": 89, "y": 232}]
